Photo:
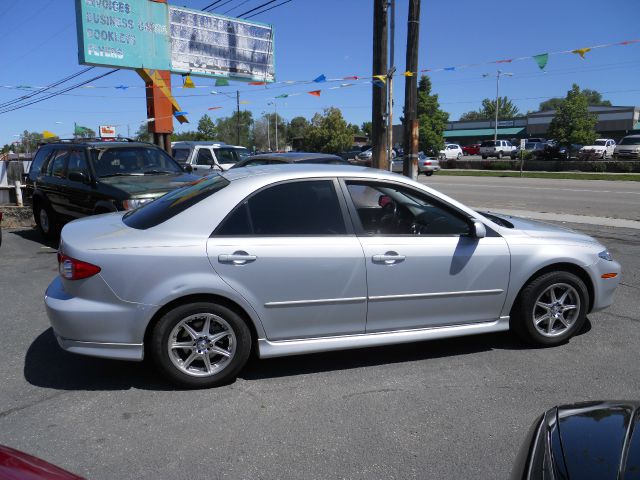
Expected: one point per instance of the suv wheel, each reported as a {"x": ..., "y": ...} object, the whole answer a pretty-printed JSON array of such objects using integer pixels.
[
  {"x": 550, "y": 309},
  {"x": 499, "y": 155},
  {"x": 45, "y": 220},
  {"x": 200, "y": 344}
]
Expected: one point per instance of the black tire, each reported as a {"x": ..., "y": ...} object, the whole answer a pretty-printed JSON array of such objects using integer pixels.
[
  {"x": 160, "y": 337},
  {"x": 459, "y": 156},
  {"x": 46, "y": 220},
  {"x": 499, "y": 156},
  {"x": 484, "y": 157},
  {"x": 522, "y": 314},
  {"x": 428, "y": 173}
]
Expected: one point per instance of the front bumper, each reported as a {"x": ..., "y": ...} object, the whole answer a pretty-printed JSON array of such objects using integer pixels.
[{"x": 101, "y": 326}]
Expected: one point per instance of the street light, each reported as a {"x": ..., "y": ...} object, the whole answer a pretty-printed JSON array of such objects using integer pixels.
[{"x": 498, "y": 75}]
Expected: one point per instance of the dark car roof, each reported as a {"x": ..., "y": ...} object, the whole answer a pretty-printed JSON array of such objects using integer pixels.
[
  {"x": 293, "y": 157},
  {"x": 99, "y": 144}
]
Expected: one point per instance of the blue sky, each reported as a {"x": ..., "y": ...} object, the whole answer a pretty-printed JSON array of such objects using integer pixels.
[{"x": 334, "y": 37}]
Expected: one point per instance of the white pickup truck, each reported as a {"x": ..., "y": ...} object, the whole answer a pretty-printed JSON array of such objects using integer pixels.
[
  {"x": 204, "y": 157},
  {"x": 498, "y": 149}
]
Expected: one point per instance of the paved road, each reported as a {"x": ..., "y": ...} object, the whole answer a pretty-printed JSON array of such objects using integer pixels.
[
  {"x": 445, "y": 409},
  {"x": 598, "y": 198}
]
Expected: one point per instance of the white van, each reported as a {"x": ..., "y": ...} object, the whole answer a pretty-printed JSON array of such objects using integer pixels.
[{"x": 203, "y": 157}]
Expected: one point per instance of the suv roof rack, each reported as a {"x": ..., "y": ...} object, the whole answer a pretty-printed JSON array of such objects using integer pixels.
[{"x": 93, "y": 140}]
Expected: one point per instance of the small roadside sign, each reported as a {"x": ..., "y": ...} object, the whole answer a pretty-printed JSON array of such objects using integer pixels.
[{"x": 523, "y": 142}]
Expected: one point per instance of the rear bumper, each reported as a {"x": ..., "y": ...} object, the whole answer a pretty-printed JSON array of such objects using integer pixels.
[{"x": 102, "y": 326}]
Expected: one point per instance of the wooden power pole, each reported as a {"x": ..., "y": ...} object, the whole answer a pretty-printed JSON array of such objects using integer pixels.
[
  {"x": 379, "y": 92},
  {"x": 410, "y": 166}
]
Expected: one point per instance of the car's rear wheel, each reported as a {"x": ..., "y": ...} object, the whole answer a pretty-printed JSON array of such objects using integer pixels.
[
  {"x": 484, "y": 157},
  {"x": 428, "y": 173},
  {"x": 459, "y": 156},
  {"x": 45, "y": 220},
  {"x": 200, "y": 344},
  {"x": 550, "y": 309},
  {"x": 499, "y": 155}
]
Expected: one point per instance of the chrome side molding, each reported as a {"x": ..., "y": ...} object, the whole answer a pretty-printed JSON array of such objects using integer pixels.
[{"x": 268, "y": 349}]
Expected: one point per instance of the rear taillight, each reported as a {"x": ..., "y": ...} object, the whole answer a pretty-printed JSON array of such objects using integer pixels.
[
  {"x": 72, "y": 269},
  {"x": 428, "y": 162}
]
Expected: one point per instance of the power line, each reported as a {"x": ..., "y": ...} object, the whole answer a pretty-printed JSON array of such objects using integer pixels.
[
  {"x": 211, "y": 5},
  {"x": 233, "y": 8},
  {"x": 257, "y": 8},
  {"x": 33, "y": 102},
  {"x": 270, "y": 8},
  {"x": 44, "y": 89}
]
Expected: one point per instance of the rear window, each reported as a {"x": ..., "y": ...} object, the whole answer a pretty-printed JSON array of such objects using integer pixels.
[
  {"x": 173, "y": 203},
  {"x": 630, "y": 141},
  {"x": 180, "y": 154},
  {"x": 488, "y": 143}
]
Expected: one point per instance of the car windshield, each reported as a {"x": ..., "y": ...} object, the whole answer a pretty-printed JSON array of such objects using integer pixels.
[
  {"x": 109, "y": 162},
  {"x": 230, "y": 155},
  {"x": 243, "y": 153},
  {"x": 488, "y": 143},
  {"x": 630, "y": 141},
  {"x": 600, "y": 142},
  {"x": 173, "y": 203},
  {"x": 180, "y": 154}
]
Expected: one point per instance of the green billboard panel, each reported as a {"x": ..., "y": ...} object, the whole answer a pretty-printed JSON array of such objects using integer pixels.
[{"x": 127, "y": 33}]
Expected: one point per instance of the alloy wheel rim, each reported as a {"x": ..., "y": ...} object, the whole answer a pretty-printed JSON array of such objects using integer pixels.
[
  {"x": 202, "y": 345},
  {"x": 44, "y": 220},
  {"x": 556, "y": 309}
]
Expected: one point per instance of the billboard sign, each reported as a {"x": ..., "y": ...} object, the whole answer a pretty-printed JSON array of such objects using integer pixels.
[
  {"x": 146, "y": 34},
  {"x": 107, "y": 131}
]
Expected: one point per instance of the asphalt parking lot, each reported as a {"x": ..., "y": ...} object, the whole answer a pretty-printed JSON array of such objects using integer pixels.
[{"x": 444, "y": 409}]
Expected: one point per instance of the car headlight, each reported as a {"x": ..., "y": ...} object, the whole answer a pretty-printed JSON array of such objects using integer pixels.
[
  {"x": 133, "y": 203},
  {"x": 606, "y": 255}
]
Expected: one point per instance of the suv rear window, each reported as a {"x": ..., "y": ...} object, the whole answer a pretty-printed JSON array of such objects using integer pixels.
[
  {"x": 173, "y": 203},
  {"x": 488, "y": 143}
]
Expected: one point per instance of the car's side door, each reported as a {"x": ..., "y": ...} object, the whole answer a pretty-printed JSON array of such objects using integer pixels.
[
  {"x": 425, "y": 268},
  {"x": 290, "y": 251},
  {"x": 53, "y": 181},
  {"x": 611, "y": 145},
  {"x": 80, "y": 192}
]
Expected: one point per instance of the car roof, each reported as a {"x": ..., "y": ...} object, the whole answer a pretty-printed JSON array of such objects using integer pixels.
[
  {"x": 294, "y": 156},
  {"x": 189, "y": 143},
  {"x": 100, "y": 144},
  {"x": 285, "y": 171}
]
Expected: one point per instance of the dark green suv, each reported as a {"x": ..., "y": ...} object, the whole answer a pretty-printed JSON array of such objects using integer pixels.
[{"x": 73, "y": 179}]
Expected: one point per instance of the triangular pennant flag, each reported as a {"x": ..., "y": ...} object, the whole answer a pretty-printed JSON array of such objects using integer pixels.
[
  {"x": 122, "y": 87},
  {"x": 346, "y": 85},
  {"x": 315, "y": 93},
  {"x": 378, "y": 83},
  {"x": 408, "y": 74},
  {"x": 449, "y": 69},
  {"x": 180, "y": 114},
  {"x": 214, "y": 108},
  {"x": 320, "y": 79},
  {"x": 78, "y": 130},
  {"x": 508, "y": 60},
  {"x": 257, "y": 83},
  {"x": 426, "y": 70},
  {"x": 222, "y": 82},
  {"x": 213, "y": 92},
  {"x": 188, "y": 83},
  {"x": 382, "y": 78},
  {"x": 581, "y": 51},
  {"x": 541, "y": 60},
  {"x": 284, "y": 95},
  {"x": 354, "y": 77},
  {"x": 628, "y": 42},
  {"x": 48, "y": 134}
]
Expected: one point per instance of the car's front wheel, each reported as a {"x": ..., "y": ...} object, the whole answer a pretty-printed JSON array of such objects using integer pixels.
[
  {"x": 200, "y": 344},
  {"x": 550, "y": 309},
  {"x": 428, "y": 173}
]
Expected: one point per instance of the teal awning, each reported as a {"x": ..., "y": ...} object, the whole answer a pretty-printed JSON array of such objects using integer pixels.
[{"x": 482, "y": 132}]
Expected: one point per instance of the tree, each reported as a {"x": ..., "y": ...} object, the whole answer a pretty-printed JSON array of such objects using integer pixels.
[
  {"x": 488, "y": 110},
  {"x": 227, "y": 129},
  {"x": 328, "y": 133},
  {"x": 206, "y": 128},
  {"x": 28, "y": 142},
  {"x": 296, "y": 128},
  {"x": 593, "y": 98},
  {"x": 189, "y": 135},
  {"x": 366, "y": 128},
  {"x": 573, "y": 123},
  {"x": 143, "y": 134},
  {"x": 431, "y": 120}
]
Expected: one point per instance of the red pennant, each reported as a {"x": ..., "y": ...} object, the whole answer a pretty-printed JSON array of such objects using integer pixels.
[
  {"x": 351, "y": 78},
  {"x": 315, "y": 93},
  {"x": 257, "y": 83},
  {"x": 214, "y": 108},
  {"x": 509, "y": 60},
  {"x": 426, "y": 70},
  {"x": 628, "y": 42}
]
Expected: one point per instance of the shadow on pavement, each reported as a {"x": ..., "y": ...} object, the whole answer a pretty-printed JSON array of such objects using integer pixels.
[{"x": 33, "y": 235}]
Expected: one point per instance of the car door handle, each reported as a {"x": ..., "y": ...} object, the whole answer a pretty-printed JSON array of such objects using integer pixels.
[
  {"x": 237, "y": 258},
  {"x": 389, "y": 258}
]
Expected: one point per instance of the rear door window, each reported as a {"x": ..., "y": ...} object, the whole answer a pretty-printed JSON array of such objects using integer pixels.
[
  {"x": 77, "y": 163},
  {"x": 39, "y": 160},
  {"x": 57, "y": 164}
]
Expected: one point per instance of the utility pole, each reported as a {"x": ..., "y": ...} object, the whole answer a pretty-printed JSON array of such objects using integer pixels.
[
  {"x": 237, "y": 117},
  {"x": 379, "y": 94},
  {"x": 390, "y": 73},
  {"x": 495, "y": 127},
  {"x": 410, "y": 140}
]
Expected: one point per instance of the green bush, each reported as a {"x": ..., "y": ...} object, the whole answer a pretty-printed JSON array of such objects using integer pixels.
[
  {"x": 527, "y": 155},
  {"x": 500, "y": 166},
  {"x": 599, "y": 166},
  {"x": 451, "y": 163},
  {"x": 625, "y": 167}
]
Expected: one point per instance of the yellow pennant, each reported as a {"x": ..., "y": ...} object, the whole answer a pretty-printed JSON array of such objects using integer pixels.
[
  {"x": 408, "y": 74},
  {"x": 581, "y": 51},
  {"x": 382, "y": 78},
  {"x": 48, "y": 134},
  {"x": 188, "y": 83}
]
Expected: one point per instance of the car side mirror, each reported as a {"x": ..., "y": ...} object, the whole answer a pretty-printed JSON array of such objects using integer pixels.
[
  {"x": 77, "y": 177},
  {"x": 188, "y": 168},
  {"x": 478, "y": 230}
]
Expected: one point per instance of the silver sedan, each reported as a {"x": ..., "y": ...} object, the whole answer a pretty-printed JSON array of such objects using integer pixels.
[
  {"x": 426, "y": 165},
  {"x": 294, "y": 259}
]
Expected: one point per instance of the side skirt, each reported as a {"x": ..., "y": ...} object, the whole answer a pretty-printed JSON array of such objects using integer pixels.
[{"x": 281, "y": 348}]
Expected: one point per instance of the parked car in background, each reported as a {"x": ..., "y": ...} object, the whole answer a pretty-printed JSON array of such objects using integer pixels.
[
  {"x": 629, "y": 147},
  {"x": 450, "y": 151},
  {"x": 497, "y": 148},
  {"x": 426, "y": 165},
  {"x": 18, "y": 465},
  {"x": 473, "y": 149},
  {"x": 536, "y": 140},
  {"x": 73, "y": 179},
  {"x": 602, "y": 148},
  {"x": 290, "y": 157},
  {"x": 536, "y": 149},
  {"x": 586, "y": 441},
  {"x": 204, "y": 157},
  {"x": 308, "y": 258},
  {"x": 352, "y": 153},
  {"x": 364, "y": 158}
]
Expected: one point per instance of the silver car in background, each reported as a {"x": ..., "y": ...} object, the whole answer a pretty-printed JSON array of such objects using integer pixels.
[
  {"x": 294, "y": 259},
  {"x": 426, "y": 165}
]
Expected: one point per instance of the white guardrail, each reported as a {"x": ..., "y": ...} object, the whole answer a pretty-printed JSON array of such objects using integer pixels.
[{"x": 7, "y": 184}]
